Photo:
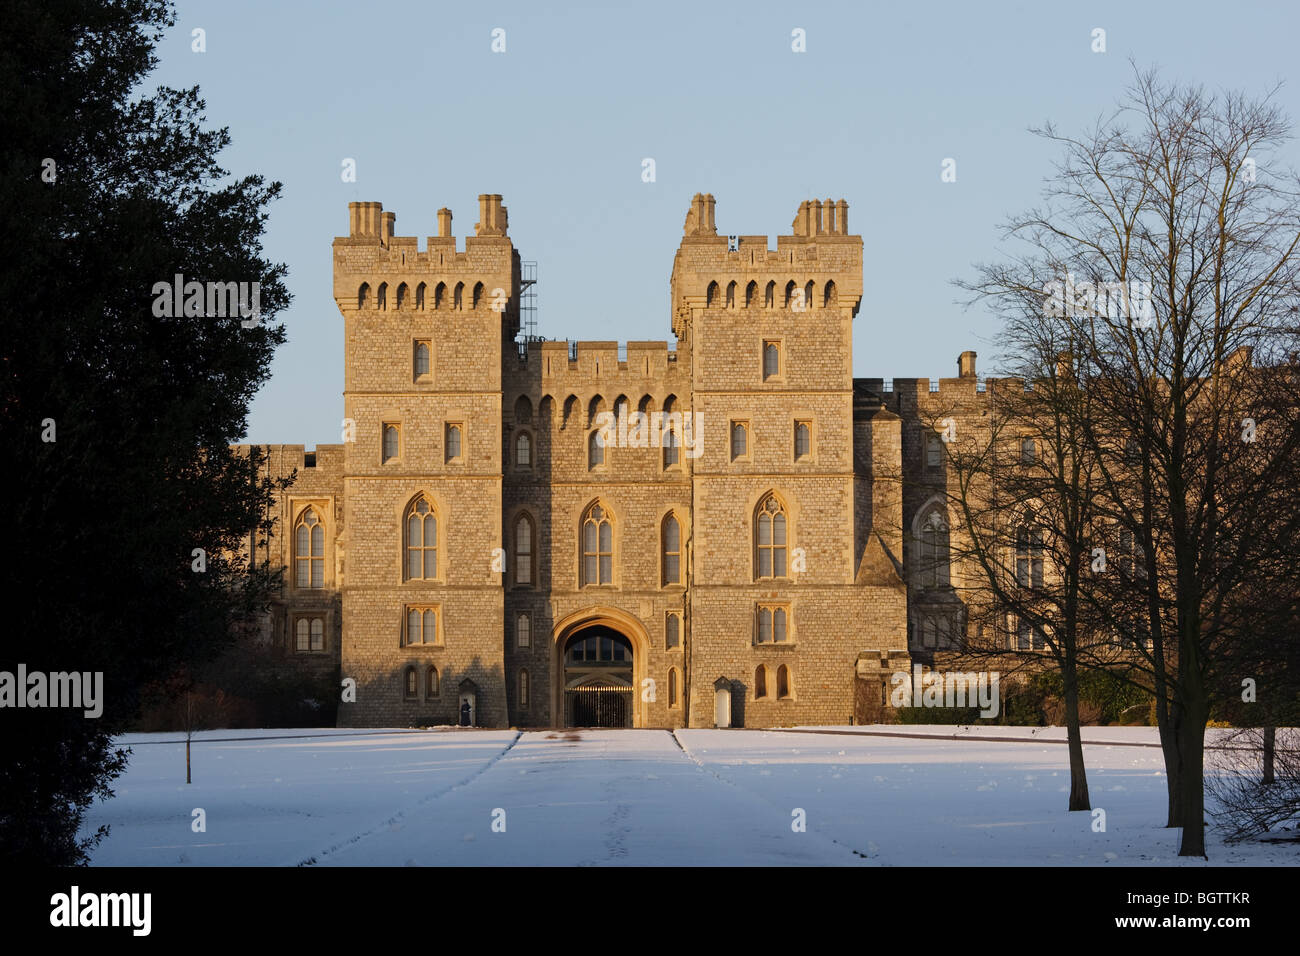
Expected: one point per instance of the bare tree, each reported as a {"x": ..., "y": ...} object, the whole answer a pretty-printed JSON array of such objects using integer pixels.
[{"x": 1169, "y": 244}]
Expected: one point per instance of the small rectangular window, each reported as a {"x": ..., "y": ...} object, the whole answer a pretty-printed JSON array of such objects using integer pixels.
[
  {"x": 739, "y": 440},
  {"x": 802, "y": 440},
  {"x": 392, "y": 441},
  {"x": 933, "y": 450},
  {"x": 454, "y": 436},
  {"x": 771, "y": 359},
  {"x": 423, "y": 352},
  {"x": 309, "y": 634},
  {"x": 421, "y": 625},
  {"x": 672, "y": 630},
  {"x": 773, "y": 624}
]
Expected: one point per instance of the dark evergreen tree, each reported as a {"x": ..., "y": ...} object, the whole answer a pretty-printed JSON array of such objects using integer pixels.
[{"x": 116, "y": 422}]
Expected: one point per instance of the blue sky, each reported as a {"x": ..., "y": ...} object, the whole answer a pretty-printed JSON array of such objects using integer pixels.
[{"x": 560, "y": 122}]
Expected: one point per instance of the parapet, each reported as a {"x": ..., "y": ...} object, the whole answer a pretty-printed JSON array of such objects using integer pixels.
[{"x": 606, "y": 364}]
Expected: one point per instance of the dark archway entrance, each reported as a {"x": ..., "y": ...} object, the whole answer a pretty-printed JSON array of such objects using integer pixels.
[{"x": 598, "y": 682}]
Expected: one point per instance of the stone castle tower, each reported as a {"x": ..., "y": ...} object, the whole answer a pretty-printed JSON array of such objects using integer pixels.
[{"x": 543, "y": 533}]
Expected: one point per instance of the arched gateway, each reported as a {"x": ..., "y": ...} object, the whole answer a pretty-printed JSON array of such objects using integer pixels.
[{"x": 599, "y": 658}]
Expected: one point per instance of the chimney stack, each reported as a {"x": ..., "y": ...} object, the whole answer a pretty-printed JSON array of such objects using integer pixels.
[
  {"x": 444, "y": 223},
  {"x": 966, "y": 365}
]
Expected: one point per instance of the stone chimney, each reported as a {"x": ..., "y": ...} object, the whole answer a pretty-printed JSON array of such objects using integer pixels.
[
  {"x": 966, "y": 365},
  {"x": 444, "y": 223},
  {"x": 365, "y": 219}
]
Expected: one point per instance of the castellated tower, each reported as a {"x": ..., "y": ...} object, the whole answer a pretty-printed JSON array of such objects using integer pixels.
[
  {"x": 785, "y": 592},
  {"x": 425, "y": 333}
]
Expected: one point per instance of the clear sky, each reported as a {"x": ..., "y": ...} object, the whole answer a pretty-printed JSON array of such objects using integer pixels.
[{"x": 560, "y": 122}]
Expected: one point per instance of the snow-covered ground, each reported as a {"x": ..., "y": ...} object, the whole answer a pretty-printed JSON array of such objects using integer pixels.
[{"x": 869, "y": 795}]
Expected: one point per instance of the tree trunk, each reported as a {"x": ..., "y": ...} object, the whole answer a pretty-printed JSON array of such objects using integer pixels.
[
  {"x": 1078, "y": 774},
  {"x": 1270, "y": 744},
  {"x": 1191, "y": 795},
  {"x": 187, "y": 759}
]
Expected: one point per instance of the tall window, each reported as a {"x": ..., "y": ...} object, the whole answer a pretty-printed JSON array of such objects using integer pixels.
[
  {"x": 760, "y": 682},
  {"x": 597, "y": 547},
  {"x": 672, "y": 687},
  {"x": 1028, "y": 451},
  {"x": 672, "y": 545},
  {"x": 770, "y": 539},
  {"x": 523, "y": 631},
  {"x": 421, "y": 625},
  {"x": 422, "y": 353},
  {"x": 802, "y": 440},
  {"x": 672, "y": 447},
  {"x": 773, "y": 620},
  {"x": 523, "y": 550},
  {"x": 309, "y": 550},
  {"x": 1029, "y": 556},
  {"x": 1029, "y": 637},
  {"x": 411, "y": 682},
  {"x": 421, "y": 540},
  {"x": 454, "y": 433},
  {"x": 769, "y": 295},
  {"x": 431, "y": 682},
  {"x": 933, "y": 450},
  {"x": 392, "y": 441},
  {"x": 524, "y": 450},
  {"x": 672, "y": 630},
  {"x": 739, "y": 440},
  {"x": 523, "y": 688},
  {"x": 782, "y": 682},
  {"x": 771, "y": 360},
  {"x": 595, "y": 449},
  {"x": 310, "y": 634},
  {"x": 934, "y": 550}
]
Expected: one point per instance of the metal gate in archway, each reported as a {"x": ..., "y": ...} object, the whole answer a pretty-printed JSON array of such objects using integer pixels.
[{"x": 599, "y": 705}]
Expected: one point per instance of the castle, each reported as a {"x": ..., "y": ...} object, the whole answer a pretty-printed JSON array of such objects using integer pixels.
[{"x": 733, "y": 531}]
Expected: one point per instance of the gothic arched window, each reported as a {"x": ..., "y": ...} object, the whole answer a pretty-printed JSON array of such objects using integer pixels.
[
  {"x": 309, "y": 550},
  {"x": 672, "y": 550},
  {"x": 770, "y": 535},
  {"x": 524, "y": 550},
  {"x": 421, "y": 540},
  {"x": 933, "y": 563},
  {"x": 597, "y": 546}
]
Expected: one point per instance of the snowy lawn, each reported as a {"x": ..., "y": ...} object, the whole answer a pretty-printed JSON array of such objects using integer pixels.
[{"x": 591, "y": 797}]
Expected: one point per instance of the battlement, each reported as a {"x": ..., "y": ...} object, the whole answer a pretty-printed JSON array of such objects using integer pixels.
[
  {"x": 605, "y": 363},
  {"x": 967, "y": 389},
  {"x": 378, "y": 270},
  {"x": 818, "y": 266},
  {"x": 284, "y": 459}
]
